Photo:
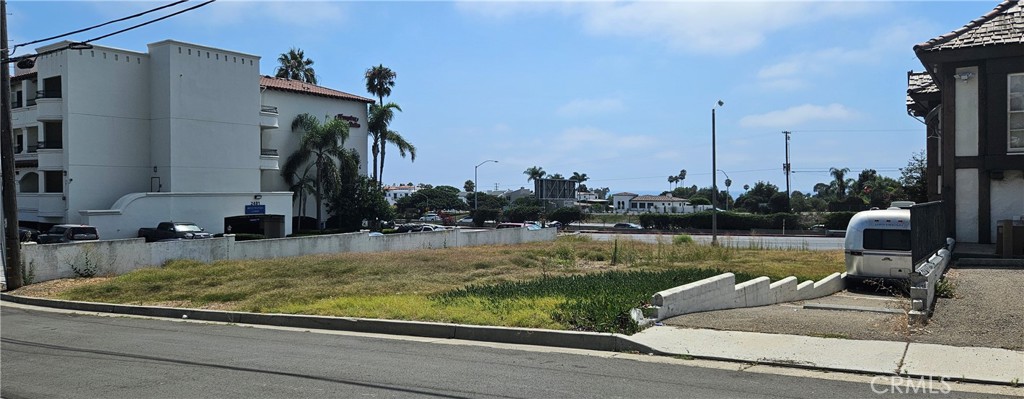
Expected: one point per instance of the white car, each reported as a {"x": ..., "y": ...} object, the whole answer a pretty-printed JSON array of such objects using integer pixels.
[{"x": 430, "y": 217}]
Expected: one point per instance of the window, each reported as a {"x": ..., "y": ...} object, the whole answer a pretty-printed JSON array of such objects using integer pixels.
[
  {"x": 1015, "y": 89},
  {"x": 888, "y": 240}
]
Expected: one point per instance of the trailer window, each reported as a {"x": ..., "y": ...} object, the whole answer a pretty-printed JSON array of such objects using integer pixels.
[{"x": 891, "y": 240}]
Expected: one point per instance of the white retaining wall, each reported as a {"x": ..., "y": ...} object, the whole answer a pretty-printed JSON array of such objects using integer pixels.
[
  {"x": 722, "y": 292},
  {"x": 115, "y": 257}
]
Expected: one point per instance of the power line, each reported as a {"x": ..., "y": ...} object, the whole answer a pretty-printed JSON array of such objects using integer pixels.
[
  {"x": 150, "y": 21},
  {"x": 85, "y": 44},
  {"x": 15, "y": 48}
]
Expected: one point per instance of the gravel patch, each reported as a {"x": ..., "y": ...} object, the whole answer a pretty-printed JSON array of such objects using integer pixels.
[{"x": 987, "y": 310}]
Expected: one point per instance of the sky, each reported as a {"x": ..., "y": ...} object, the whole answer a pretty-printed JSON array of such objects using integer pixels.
[{"x": 621, "y": 91}]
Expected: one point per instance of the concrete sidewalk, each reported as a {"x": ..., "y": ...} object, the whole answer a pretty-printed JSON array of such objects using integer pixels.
[{"x": 952, "y": 363}]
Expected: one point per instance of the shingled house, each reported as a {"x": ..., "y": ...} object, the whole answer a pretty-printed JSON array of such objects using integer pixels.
[{"x": 971, "y": 97}]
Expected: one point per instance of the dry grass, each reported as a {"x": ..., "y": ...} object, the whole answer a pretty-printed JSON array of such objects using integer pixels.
[{"x": 398, "y": 285}]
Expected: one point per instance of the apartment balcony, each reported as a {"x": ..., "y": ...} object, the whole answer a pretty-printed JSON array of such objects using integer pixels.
[
  {"x": 28, "y": 202},
  {"x": 21, "y": 155},
  {"x": 268, "y": 117},
  {"x": 50, "y": 158},
  {"x": 51, "y": 204},
  {"x": 269, "y": 159},
  {"x": 49, "y": 105}
]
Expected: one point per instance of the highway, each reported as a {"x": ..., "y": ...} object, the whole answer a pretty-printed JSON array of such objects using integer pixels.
[{"x": 50, "y": 354}]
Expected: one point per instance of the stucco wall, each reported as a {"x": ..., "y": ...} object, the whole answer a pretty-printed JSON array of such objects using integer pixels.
[
  {"x": 208, "y": 210},
  {"x": 115, "y": 257},
  {"x": 966, "y": 112},
  {"x": 967, "y": 205}
]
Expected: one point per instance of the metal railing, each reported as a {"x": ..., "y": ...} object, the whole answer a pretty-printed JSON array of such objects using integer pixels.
[
  {"x": 927, "y": 230},
  {"x": 48, "y": 94},
  {"x": 270, "y": 109}
]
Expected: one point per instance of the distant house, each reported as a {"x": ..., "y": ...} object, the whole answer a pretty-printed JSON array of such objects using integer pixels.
[
  {"x": 393, "y": 193},
  {"x": 971, "y": 97},
  {"x": 633, "y": 203}
]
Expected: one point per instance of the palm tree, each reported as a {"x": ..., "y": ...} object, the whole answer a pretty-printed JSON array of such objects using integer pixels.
[
  {"x": 379, "y": 81},
  {"x": 746, "y": 187},
  {"x": 300, "y": 186},
  {"x": 672, "y": 180},
  {"x": 469, "y": 186},
  {"x": 294, "y": 65},
  {"x": 556, "y": 176},
  {"x": 682, "y": 176},
  {"x": 404, "y": 147},
  {"x": 377, "y": 127},
  {"x": 534, "y": 173},
  {"x": 324, "y": 145},
  {"x": 580, "y": 178},
  {"x": 840, "y": 181}
]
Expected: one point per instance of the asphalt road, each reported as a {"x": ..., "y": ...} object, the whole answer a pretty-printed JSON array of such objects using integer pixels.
[
  {"x": 797, "y": 242},
  {"x": 62, "y": 355}
]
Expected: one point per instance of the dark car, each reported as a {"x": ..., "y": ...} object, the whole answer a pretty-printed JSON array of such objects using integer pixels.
[
  {"x": 173, "y": 231},
  {"x": 26, "y": 234},
  {"x": 63, "y": 233}
]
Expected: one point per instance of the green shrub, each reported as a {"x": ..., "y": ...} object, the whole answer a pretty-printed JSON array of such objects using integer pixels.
[
  {"x": 482, "y": 215},
  {"x": 567, "y": 215},
  {"x": 726, "y": 221},
  {"x": 682, "y": 239},
  {"x": 838, "y": 220},
  {"x": 593, "y": 302},
  {"x": 248, "y": 237}
]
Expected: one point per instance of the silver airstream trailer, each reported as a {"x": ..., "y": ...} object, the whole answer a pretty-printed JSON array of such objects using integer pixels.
[{"x": 878, "y": 244}]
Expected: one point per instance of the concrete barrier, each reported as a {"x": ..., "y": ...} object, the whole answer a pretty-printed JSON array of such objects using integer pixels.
[
  {"x": 925, "y": 279},
  {"x": 116, "y": 257},
  {"x": 721, "y": 292}
]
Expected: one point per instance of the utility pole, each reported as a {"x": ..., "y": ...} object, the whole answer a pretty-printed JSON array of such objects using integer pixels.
[
  {"x": 786, "y": 168},
  {"x": 12, "y": 268}
]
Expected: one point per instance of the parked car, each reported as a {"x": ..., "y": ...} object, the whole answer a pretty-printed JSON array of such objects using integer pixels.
[
  {"x": 466, "y": 221},
  {"x": 417, "y": 227},
  {"x": 631, "y": 226},
  {"x": 430, "y": 217},
  {"x": 556, "y": 224},
  {"x": 26, "y": 234},
  {"x": 63, "y": 233},
  {"x": 510, "y": 225},
  {"x": 172, "y": 231}
]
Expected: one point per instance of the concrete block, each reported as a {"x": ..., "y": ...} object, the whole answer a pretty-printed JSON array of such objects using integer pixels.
[
  {"x": 753, "y": 292},
  {"x": 805, "y": 290},
  {"x": 832, "y": 284},
  {"x": 784, "y": 290}
]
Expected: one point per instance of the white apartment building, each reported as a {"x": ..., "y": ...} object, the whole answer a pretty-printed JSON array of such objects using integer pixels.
[
  {"x": 393, "y": 193},
  {"x": 121, "y": 139}
]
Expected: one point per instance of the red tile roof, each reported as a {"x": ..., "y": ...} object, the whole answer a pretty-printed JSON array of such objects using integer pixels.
[
  {"x": 296, "y": 86},
  {"x": 1003, "y": 25}
]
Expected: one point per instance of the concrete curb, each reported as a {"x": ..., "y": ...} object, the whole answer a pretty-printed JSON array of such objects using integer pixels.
[{"x": 607, "y": 342}]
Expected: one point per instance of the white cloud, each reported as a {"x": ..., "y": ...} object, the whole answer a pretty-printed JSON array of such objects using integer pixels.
[
  {"x": 795, "y": 116},
  {"x": 596, "y": 106},
  {"x": 702, "y": 27},
  {"x": 793, "y": 71}
]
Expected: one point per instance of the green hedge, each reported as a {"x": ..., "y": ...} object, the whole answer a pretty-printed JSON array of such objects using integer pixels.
[
  {"x": 838, "y": 220},
  {"x": 726, "y": 221}
]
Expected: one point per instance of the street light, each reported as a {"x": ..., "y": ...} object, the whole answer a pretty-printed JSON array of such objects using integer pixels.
[
  {"x": 714, "y": 178},
  {"x": 728, "y": 182},
  {"x": 476, "y": 188}
]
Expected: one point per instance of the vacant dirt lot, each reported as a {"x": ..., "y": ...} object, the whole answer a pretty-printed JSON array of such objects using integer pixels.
[{"x": 987, "y": 310}]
